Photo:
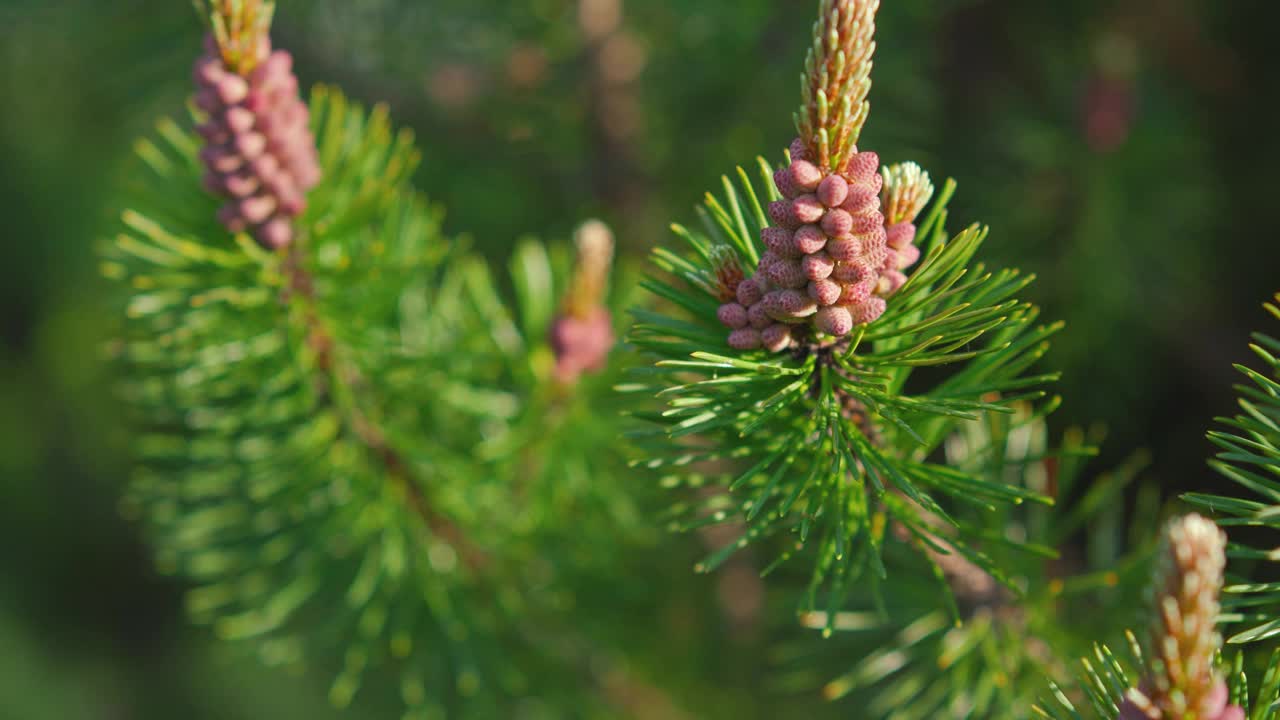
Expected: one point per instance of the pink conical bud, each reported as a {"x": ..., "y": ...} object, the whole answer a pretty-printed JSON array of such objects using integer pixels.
[
  {"x": 238, "y": 120},
  {"x": 798, "y": 151},
  {"x": 758, "y": 316},
  {"x": 776, "y": 337},
  {"x": 807, "y": 209},
  {"x": 844, "y": 249},
  {"x": 307, "y": 168},
  {"x": 825, "y": 292},
  {"x": 805, "y": 175},
  {"x": 292, "y": 202},
  {"x": 257, "y": 209},
  {"x": 864, "y": 168},
  {"x": 835, "y": 320},
  {"x": 787, "y": 274},
  {"x": 861, "y": 199},
  {"x": 286, "y": 86},
  {"x": 875, "y": 238},
  {"x": 277, "y": 68},
  {"x": 250, "y": 145},
  {"x": 867, "y": 311},
  {"x": 900, "y": 235},
  {"x": 866, "y": 223},
  {"x": 276, "y": 233},
  {"x": 891, "y": 281},
  {"x": 749, "y": 292},
  {"x": 850, "y": 272},
  {"x": 782, "y": 180},
  {"x": 207, "y": 71},
  {"x": 768, "y": 259},
  {"x": 772, "y": 305},
  {"x": 732, "y": 315},
  {"x": 875, "y": 256},
  {"x": 744, "y": 339},
  {"x": 795, "y": 304},
  {"x": 280, "y": 184},
  {"x": 581, "y": 344},
  {"x": 809, "y": 239},
  {"x": 907, "y": 256},
  {"x": 859, "y": 292},
  {"x": 264, "y": 166},
  {"x": 837, "y": 223},
  {"x": 817, "y": 266},
  {"x": 279, "y": 127},
  {"x": 778, "y": 241},
  {"x": 259, "y": 102},
  {"x": 240, "y": 184},
  {"x": 833, "y": 191},
  {"x": 220, "y": 160},
  {"x": 780, "y": 214},
  {"x": 231, "y": 89}
]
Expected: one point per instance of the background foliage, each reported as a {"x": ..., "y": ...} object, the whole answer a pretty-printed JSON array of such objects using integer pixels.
[{"x": 1115, "y": 148}]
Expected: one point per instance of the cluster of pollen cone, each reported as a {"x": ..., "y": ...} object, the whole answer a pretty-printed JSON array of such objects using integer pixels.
[
  {"x": 833, "y": 253},
  {"x": 260, "y": 155}
]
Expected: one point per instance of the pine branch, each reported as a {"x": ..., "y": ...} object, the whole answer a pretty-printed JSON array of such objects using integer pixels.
[
  {"x": 987, "y": 655},
  {"x": 293, "y": 463},
  {"x": 800, "y": 437},
  {"x": 331, "y": 372},
  {"x": 803, "y": 411},
  {"x": 1249, "y": 456}
]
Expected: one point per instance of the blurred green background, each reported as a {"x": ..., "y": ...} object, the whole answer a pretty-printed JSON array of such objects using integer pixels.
[{"x": 1121, "y": 150}]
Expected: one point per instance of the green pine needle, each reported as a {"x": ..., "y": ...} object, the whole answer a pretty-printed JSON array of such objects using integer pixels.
[{"x": 1249, "y": 455}]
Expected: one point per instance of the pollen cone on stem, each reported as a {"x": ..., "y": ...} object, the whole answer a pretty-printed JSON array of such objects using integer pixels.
[
  {"x": 1180, "y": 682},
  {"x": 259, "y": 153},
  {"x": 581, "y": 336}
]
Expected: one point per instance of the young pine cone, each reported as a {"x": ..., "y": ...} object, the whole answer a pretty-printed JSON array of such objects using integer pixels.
[
  {"x": 259, "y": 154},
  {"x": 582, "y": 334},
  {"x": 581, "y": 343}
]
